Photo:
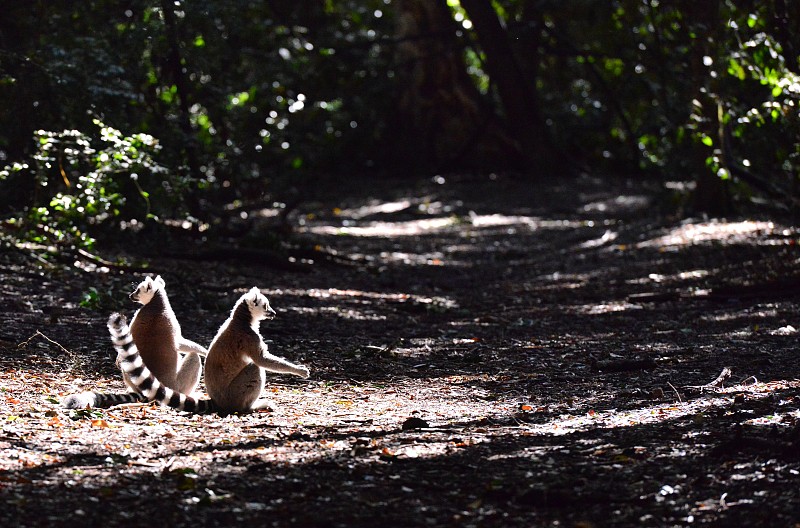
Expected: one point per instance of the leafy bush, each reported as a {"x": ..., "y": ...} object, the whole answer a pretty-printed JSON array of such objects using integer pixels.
[{"x": 81, "y": 182}]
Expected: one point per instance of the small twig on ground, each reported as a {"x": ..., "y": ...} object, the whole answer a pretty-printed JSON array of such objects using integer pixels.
[
  {"x": 167, "y": 466},
  {"x": 720, "y": 380},
  {"x": 718, "y": 383},
  {"x": 40, "y": 334},
  {"x": 71, "y": 355},
  {"x": 678, "y": 394},
  {"x": 107, "y": 263}
]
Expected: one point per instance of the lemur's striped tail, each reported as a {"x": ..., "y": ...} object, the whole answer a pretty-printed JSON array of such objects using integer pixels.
[
  {"x": 100, "y": 400},
  {"x": 131, "y": 363}
]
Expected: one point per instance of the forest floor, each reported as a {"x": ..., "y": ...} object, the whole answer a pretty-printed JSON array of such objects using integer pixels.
[{"x": 482, "y": 353}]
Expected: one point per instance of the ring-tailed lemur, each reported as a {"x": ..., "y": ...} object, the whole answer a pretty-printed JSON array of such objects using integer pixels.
[
  {"x": 157, "y": 335},
  {"x": 235, "y": 364},
  {"x": 238, "y": 357},
  {"x": 142, "y": 379}
]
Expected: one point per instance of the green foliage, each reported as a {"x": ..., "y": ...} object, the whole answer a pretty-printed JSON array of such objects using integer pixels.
[
  {"x": 86, "y": 414},
  {"x": 242, "y": 95},
  {"x": 95, "y": 299},
  {"x": 760, "y": 94},
  {"x": 79, "y": 182},
  {"x": 250, "y": 98},
  {"x": 656, "y": 85}
]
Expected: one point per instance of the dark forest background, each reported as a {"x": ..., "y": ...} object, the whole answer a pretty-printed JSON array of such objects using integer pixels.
[{"x": 118, "y": 114}]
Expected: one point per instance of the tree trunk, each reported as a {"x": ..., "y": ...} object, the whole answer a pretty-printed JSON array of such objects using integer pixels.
[
  {"x": 175, "y": 63},
  {"x": 517, "y": 93},
  {"x": 711, "y": 193},
  {"x": 442, "y": 122}
]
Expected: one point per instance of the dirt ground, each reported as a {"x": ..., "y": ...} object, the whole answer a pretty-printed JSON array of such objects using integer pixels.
[{"x": 483, "y": 353}]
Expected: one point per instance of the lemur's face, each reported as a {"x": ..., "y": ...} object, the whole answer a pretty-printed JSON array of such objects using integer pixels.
[
  {"x": 146, "y": 290},
  {"x": 259, "y": 305}
]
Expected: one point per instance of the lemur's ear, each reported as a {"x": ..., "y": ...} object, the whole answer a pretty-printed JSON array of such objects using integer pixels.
[{"x": 159, "y": 281}]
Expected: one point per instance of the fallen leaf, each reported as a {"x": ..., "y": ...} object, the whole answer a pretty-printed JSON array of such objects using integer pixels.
[{"x": 100, "y": 423}]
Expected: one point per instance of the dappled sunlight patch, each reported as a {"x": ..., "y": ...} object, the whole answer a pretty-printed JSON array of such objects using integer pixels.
[
  {"x": 440, "y": 401},
  {"x": 442, "y": 302},
  {"x": 650, "y": 414},
  {"x": 656, "y": 347},
  {"x": 530, "y": 452},
  {"x": 784, "y": 331},
  {"x": 449, "y": 401},
  {"x": 607, "y": 307},
  {"x": 376, "y": 208},
  {"x": 421, "y": 259},
  {"x": 618, "y": 204},
  {"x": 440, "y": 224},
  {"x": 759, "y": 388},
  {"x": 499, "y": 220},
  {"x": 363, "y": 297},
  {"x": 563, "y": 281},
  {"x": 349, "y": 313},
  {"x": 608, "y": 237},
  {"x": 387, "y": 229},
  {"x": 17, "y": 458},
  {"x": 422, "y": 205},
  {"x": 531, "y": 222},
  {"x": 613, "y": 419},
  {"x": 456, "y": 412},
  {"x": 708, "y": 232},
  {"x": 775, "y": 420},
  {"x": 658, "y": 278},
  {"x": 748, "y": 314}
]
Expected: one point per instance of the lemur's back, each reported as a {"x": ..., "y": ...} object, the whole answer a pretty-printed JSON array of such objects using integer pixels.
[{"x": 155, "y": 331}]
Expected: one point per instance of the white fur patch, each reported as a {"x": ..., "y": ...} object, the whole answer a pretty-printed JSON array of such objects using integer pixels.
[
  {"x": 80, "y": 401},
  {"x": 147, "y": 289},
  {"x": 258, "y": 304},
  {"x": 132, "y": 364},
  {"x": 121, "y": 340}
]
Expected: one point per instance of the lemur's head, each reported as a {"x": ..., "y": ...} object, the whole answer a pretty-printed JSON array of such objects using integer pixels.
[
  {"x": 258, "y": 305},
  {"x": 147, "y": 289}
]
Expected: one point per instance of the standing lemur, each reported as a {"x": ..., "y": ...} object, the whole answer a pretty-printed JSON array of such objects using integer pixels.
[
  {"x": 157, "y": 334},
  {"x": 237, "y": 359}
]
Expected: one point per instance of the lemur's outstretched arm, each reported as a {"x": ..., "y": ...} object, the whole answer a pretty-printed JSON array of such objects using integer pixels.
[{"x": 188, "y": 346}]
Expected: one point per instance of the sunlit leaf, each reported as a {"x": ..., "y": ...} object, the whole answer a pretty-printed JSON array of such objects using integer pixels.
[{"x": 735, "y": 69}]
